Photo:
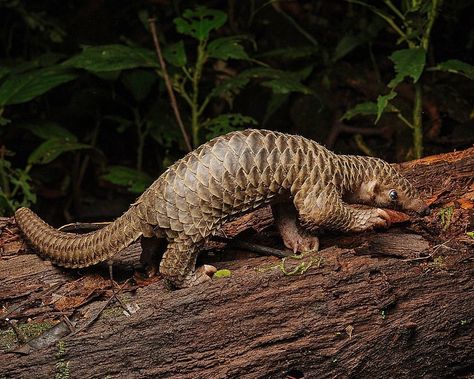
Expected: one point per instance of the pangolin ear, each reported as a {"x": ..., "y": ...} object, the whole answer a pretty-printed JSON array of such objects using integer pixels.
[{"x": 372, "y": 186}]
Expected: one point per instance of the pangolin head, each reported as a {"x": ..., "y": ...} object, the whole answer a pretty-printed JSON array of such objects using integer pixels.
[{"x": 386, "y": 187}]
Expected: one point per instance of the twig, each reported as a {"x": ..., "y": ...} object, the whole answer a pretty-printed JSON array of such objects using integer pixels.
[
  {"x": 429, "y": 256},
  {"x": 21, "y": 337},
  {"x": 169, "y": 87},
  {"x": 96, "y": 316},
  {"x": 263, "y": 250}
]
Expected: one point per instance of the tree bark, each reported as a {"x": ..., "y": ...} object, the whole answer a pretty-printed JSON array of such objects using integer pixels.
[{"x": 395, "y": 303}]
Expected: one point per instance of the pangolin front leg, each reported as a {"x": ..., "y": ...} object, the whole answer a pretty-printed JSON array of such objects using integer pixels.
[
  {"x": 294, "y": 236},
  {"x": 178, "y": 264},
  {"x": 325, "y": 209}
]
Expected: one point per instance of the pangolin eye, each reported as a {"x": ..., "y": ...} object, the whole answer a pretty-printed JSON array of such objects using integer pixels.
[{"x": 393, "y": 195}]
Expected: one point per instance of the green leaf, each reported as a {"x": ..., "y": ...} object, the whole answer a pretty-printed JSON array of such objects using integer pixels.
[
  {"x": 368, "y": 108},
  {"x": 351, "y": 41},
  {"x": 175, "y": 54},
  {"x": 226, "y": 123},
  {"x": 408, "y": 62},
  {"x": 229, "y": 87},
  {"x": 286, "y": 82},
  {"x": 457, "y": 67},
  {"x": 20, "y": 88},
  {"x": 470, "y": 234},
  {"x": 348, "y": 43},
  {"x": 382, "y": 103},
  {"x": 112, "y": 58},
  {"x": 49, "y": 150},
  {"x": 139, "y": 82},
  {"x": 199, "y": 22},
  {"x": 227, "y": 48},
  {"x": 362, "y": 109},
  {"x": 286, "y": 85},
  {"x": 135, "y": 181},
  {"x": 224, "y": 273},
  {"x": 50, "y": 130}
]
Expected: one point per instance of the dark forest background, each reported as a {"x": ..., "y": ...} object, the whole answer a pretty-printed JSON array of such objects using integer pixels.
[{"x": 86, "y": 121}]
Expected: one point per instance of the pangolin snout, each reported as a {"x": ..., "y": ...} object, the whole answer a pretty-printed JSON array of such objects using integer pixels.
[
  {"x": 420, "y": 207},
  {"x": 426, "y": 211}
]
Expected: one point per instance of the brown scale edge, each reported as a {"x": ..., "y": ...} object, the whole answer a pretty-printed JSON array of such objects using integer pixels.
[{"x": 78, "y": 250}]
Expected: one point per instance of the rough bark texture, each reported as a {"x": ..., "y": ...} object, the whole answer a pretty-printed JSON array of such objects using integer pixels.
[{"x": 397, "y": 303}]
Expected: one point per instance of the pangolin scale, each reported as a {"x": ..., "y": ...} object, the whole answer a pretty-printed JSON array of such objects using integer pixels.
[{"x": 308, "y": 186}]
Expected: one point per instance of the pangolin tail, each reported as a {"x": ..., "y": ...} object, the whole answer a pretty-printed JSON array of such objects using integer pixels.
[{"x": 78, "y": 250}]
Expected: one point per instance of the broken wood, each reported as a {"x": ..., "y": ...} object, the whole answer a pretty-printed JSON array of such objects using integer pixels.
[{"x": 395, "y": 303}]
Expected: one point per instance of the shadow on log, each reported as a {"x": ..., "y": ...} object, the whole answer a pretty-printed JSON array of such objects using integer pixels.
[{"x": 397, "y": 303}]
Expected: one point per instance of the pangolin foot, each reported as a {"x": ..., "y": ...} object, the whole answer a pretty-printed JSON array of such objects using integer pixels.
[
  {"x": 201, "y": 275},
  {"x": 379, "y": 219},
  {"x": 302, "y": 243}
]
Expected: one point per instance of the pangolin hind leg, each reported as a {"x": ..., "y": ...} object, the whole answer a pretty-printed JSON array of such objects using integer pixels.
[
  {"x": 152, "y": 251},
  {"x": 179, "y": 262},
  {"x": 294, "y": 236}
]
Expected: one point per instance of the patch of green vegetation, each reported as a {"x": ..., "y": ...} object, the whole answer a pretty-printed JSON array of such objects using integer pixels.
[
  {"x": 8, "y": 338},
  {"x": 445, "y": 215},
  {"x": 224, "y": 273},
  {"x": 299, "y": 269},
  {"x": 62, "y": 366},
  {"x": 439, "y": 262},
  {"x": 112, "y": 312},
  {"x": 470, "y": 234}
]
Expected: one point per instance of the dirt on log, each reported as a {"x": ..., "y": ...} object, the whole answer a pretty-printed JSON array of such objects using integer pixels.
[{"x": 394, "y": 303}]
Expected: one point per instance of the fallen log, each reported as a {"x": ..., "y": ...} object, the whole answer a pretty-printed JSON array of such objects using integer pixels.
[{"x": 397, "y": 303}]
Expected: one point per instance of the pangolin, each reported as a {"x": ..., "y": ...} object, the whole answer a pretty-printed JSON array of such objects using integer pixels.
[{"x": 308, "y": 187}]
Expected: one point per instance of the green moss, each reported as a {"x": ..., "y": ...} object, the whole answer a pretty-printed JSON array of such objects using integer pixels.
[
  {"x": 112, "y": 312},
  {"x": 222, "y": 273},
  {"x": 62, "y": 366},
  {"x": 8, "y": 338},
  {"x": 307, "y": 261},
  {"x": 445, "y": 216},
  {"x": 439, "y": 262}
]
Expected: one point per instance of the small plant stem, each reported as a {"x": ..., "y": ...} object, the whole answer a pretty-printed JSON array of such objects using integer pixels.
[
  {"x": 436, "y": 4},
  {"x": 359, "y": 140},
  {"x": 394, "y": 9},
  {"x": 195, "y": 109},
  {"x": 387, "y": 18},
  {"x": 169, "y": 87},
  {"x": 417, "y": 122},
  {"x": 418, "y": 106},
  {"x": 405, "y": 121}
]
